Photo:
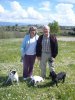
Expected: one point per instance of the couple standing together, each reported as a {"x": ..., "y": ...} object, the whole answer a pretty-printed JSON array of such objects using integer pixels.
[{"x": 44, "y": 47}]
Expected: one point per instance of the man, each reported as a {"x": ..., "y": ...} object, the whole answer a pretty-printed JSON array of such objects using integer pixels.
[{"x": 46, "y": 50}]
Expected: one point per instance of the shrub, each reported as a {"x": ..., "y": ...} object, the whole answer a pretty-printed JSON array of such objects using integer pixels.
[{"x": 71, "y": 33}]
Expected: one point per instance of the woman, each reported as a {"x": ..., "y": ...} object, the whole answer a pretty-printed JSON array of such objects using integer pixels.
[{"x": 28, "y": 51}]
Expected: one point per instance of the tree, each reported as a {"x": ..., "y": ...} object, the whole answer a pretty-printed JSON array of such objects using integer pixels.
[
  {"x": 16, "y": 27},
  {"x": 13, "y": 28},
  {"x": 54, "y": 27},
  {"x": 74, "y": 29},
  {"x": 8, "y": 28}
]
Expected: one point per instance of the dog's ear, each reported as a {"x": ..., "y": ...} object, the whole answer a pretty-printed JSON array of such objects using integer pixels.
[
  {"x": 10, "y": 70},
  {"x": 53, "y": 74},
  {"x": 13, "y": 72},
  {"x": 32, "y": 82}
]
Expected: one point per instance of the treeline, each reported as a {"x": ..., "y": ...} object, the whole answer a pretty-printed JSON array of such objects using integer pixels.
[
  {"x": 13, "y": 31},
  {"x": 20, "y": 31}
]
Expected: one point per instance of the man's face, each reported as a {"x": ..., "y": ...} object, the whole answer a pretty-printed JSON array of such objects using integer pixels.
[{"x": 45, "y": 31}]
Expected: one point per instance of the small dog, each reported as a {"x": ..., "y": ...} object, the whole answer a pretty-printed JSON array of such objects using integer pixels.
[
  {"x": 13, "y": 76},
  {"x": 36, "y": 79},
  {"x": 57, "y": 77}
]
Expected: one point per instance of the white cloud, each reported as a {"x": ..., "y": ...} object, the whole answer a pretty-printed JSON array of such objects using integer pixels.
[
  {"x": 1, "y": 9},
  {"x": 64, "y": 14},
  {"x": 32, "y": 13},
  {"x": 18, "y": 10},
  {"x": 16, "y": 6},
  {"x": 64, "y": 9},
  {"x": 19, "y": 14},
  {"x": 66, "y": 1},
  {"x": 45, "y": 5}
]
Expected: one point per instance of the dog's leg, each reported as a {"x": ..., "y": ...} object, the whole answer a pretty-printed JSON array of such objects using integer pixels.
[
  {"x": 18, "y": 81},
  {"x": 7, "y": 80},
  {"x": 12, "y": 82},
  {"x": 56, "y": 83},
  {"x": 63, "y": 79}
]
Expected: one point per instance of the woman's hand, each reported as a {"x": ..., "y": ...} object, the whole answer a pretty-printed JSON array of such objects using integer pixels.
[{"x": 39, "y": 58}]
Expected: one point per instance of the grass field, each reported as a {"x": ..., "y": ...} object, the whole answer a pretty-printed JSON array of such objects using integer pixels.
[{"x": 10, "y": 59}]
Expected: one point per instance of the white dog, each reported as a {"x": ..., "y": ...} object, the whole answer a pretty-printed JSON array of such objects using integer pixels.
[
  {"x": 13, "y": 76},
  {"x": 36, "y": 79}
]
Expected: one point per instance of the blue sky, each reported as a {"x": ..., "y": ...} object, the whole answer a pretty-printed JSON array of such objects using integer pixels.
[{"x": 38, "y": 11}]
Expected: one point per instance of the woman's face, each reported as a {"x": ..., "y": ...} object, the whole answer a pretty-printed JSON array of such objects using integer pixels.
[{"x": 32, "y": 33}]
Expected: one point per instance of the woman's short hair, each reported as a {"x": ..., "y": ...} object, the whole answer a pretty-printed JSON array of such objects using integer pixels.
[{"x": 32, "y": 28}]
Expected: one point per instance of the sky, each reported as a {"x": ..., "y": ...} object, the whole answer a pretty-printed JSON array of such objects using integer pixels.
[{"x": 38, "y": 11}]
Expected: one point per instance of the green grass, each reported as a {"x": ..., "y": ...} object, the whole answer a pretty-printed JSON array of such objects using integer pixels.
[{"x": 10, "y": 59}]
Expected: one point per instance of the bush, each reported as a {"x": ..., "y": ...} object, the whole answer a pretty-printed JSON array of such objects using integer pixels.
[
  {"x": 11, "y": 34},
  {"x": 71, "y": 33}
]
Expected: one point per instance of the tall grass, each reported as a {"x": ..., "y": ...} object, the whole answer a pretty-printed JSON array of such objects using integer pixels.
[
  {"x": 10, "y": 59},
  {"x": 11, "y": 34}
]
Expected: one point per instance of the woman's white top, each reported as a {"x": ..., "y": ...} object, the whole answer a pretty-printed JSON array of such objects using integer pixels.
[{"x": 29, "y": 45}]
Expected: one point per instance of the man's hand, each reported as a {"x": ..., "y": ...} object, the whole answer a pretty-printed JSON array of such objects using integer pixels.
[{"x": 53, "y": 59}]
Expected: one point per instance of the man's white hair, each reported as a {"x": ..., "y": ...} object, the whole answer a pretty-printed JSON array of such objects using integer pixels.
[{"x": 46, "y": 26}]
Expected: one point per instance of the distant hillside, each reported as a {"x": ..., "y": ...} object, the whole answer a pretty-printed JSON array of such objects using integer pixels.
[{"x": 11, "y": 23}]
